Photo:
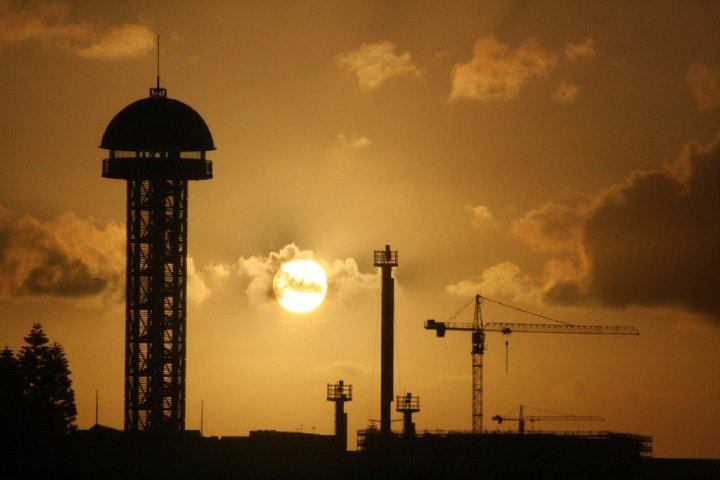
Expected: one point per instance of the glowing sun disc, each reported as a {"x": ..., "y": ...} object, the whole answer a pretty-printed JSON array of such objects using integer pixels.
[{"x": 300, "y": 286}]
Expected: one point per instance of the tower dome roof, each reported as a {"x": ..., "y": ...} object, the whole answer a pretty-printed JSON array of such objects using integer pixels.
[{"x": 157, "y": 124}]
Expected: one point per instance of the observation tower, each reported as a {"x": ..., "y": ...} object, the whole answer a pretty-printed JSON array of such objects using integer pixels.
[{"x": 156, "y": 145}]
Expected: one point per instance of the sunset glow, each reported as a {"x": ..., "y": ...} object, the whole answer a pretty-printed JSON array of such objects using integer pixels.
[
  {"x": 559, "y": 157},
  {"x": 300, "y": 285}
]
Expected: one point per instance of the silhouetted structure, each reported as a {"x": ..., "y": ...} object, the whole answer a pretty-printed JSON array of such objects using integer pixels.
[
  {"x": 386, "y": 260},
  {"x": 157, "y": 144},
  {"x": 102, "y": 452},
  {"x": 340, "y": 393},
  {"x": 478, "y": 329},
  {"x": 522, "y": 418},
  {"x": 462, "y": 454},
  {"x": 407, "y": 405}
]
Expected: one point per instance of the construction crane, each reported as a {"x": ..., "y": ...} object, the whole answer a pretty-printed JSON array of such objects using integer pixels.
[
  {"x": 554, "y": 416},
  {"x": 478, "y": 329}
]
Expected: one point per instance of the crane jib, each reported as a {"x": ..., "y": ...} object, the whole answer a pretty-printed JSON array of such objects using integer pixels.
[{"x": 507, "y": 328}]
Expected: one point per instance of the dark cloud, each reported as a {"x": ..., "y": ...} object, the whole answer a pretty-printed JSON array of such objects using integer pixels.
[
  {"x": 655, "y": 239},
  {"x": 66, "y": 257},
  {"x": 652, "y": 240},
  {"x": 551, "y": 228},
  {"x": 704, "y": 81},
  {"x": 63, "y": 276},
  {"x": 565, "y": 292}
]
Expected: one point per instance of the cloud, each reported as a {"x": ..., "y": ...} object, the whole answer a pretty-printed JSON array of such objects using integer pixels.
[
  {"x": 374, "y": 63},
  {"x": 197, "y": 289},
  {"x": 344, "y": 147},
  {"x": 649, "y": 241},
  {"x": 704, "y": 84},
  {"x": 260, "y": 270},
  {"x": 70, "y": 257},
  {"x": 50, "y": 24},
  {"x": 202, "y": 282},
  {"x": 498, "y": 72},
  {"x": 482, "y": 217},
  {"x": 65, "y": 257},
  {"x": 565, "y": 92},
  {"x": 504, "y": 280},
  {"x": 344, "y": 277},
  {"x": 129, "y": 40},
  {"x": 551, "y": 228},
  {"x": 653, "y": 239},
  {"x": 576, "y": 51},
  {"x": 561, "y": 282}
]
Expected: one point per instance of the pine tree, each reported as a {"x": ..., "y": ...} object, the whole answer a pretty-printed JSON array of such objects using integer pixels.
[
  {"x": 31, "y": 361},
  {"x": 45, "y": 383},
  {"x": 11, "y": 401},
  {"x": 59, "y": 389}
]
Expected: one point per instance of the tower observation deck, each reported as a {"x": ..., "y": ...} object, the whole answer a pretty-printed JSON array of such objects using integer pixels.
[{"x": 156, "y": 144}]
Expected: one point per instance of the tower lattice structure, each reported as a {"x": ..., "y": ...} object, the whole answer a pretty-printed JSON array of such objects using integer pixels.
[{"x": 157, "y": 145}]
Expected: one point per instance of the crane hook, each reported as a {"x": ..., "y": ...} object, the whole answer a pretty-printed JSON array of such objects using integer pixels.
[{"x": 507, "y": 336}]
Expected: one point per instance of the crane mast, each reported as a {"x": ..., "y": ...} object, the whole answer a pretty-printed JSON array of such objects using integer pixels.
[
  {"x": 478, "y": 350},
  {"x": 478, "y": 328}
]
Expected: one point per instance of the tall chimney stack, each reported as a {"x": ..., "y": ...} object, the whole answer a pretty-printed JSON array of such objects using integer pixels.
[{"x": 386, "y": 260}]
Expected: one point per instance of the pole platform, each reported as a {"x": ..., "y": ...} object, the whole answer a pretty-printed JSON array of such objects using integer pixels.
[{"x": 407, "y": 403}]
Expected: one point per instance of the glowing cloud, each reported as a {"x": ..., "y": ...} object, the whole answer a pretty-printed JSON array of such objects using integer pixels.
[
  {"x": 375, "y": 63},
  {"x": 576, "y": 51},
  {"x": 497, "y": 71},
  {"x": 50, "y": 24},
  {"x": 64, "y": 257},
  {"x": 565, "y": 92},
  {"x": 344, "y": 280}
]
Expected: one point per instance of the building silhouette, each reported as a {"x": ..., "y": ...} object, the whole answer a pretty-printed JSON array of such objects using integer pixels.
[{"x": 156, "y": 144}]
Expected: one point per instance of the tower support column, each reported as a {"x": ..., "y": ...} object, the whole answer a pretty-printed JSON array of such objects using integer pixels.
[
  {"x": 156, "y": 305},
  {"x": 386, "y": 260},
  {"x": 408, "y": 405},
  {"x": 340, "y": 393}
]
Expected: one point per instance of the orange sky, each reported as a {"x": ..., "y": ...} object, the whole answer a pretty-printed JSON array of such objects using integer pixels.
[{"x": 562, "y": 157}]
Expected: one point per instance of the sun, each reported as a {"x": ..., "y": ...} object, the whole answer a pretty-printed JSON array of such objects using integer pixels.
[{"x": 300, "y": 285}]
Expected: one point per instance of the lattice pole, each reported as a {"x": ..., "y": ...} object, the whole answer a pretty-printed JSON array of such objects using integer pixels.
[{"x": 155, "y": 305}]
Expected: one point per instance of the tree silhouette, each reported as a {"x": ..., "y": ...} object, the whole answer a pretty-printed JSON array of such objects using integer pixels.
[
  {"x": 31, "y": 359},
  {"x": 59, "y": 390},
  {"x": 11, "y": 400},
  {"x": 39, "y": 391}
]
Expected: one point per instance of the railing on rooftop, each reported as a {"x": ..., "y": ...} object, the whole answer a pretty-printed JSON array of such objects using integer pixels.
[{"x": 194, "y": 155}]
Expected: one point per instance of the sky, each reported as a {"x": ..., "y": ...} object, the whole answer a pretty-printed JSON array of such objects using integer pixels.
[{"x": 563, "y": 157}]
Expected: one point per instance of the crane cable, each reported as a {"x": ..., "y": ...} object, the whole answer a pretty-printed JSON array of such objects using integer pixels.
[
  {"x": 455, "y": 315},
  {"x": 551, "y": 412},
  {"x": 521, "y": 310}
]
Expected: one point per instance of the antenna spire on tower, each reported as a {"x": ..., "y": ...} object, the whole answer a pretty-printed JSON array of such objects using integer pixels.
[{"x": 157, "y": 91}]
